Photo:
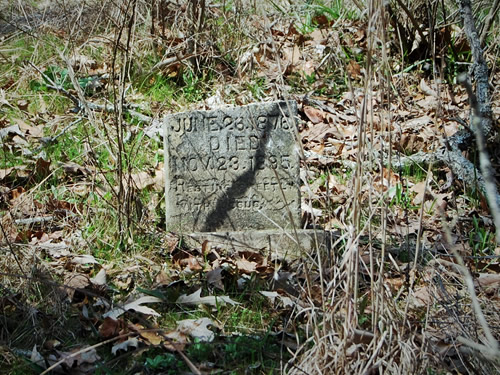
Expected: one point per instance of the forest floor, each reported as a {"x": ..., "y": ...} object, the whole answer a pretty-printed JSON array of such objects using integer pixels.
[{"x": 91, "y": 282}]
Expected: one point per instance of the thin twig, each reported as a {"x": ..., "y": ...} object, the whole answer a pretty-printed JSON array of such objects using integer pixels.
[
  {"x": 57, "y": 87},
  {"x": 489, "y": 20},
  {"x": 493, "y": 344},
  {"x": 11, "y": 248},
  {"x": 85, "y": 350},
  {"x": 50, "y": 140}
]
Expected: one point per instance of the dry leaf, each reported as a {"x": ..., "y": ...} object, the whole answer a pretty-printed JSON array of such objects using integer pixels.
[
  {"x": 76, "y": 361},
  {"x": 5, "y": 172},
  {"x": 421, "y": 296},
  {"x": 10, "y": 130},
  {"x": 142, "y": 180},
  {"x": 395, "y": 283},
  {"x": 488, "y": 280},
  {"x": 317, "y": 36},
  {"x": 74, "y": 283},
  {"x": 83, "y": 259},
  {"x": 135, "y": 306},
  {"x": 9, "y": 229},
  {"x": 197, "y": 328},
  {"x": 152, "y": 337},
  {"x": 3, "y": 100},
  {"x": 22, "y": 104},
  {"x": 33, "y": 131},
  {"x": 214, "y": 278},
  {"x": 111, "y": 327},
  {"x": 286, "y": 301},
  {"x": 426, "y": 89},
  {"x": 418, "y": 123},
  {"x": 308, "y": 208},
  {"x": 55, "y": 250},
  {"x": 271, "y": 295},
  {"x": 354, "y": 69},
  {"x": 291, "y": 55},
  {"x": 176, "y": 340},
  {"x": 42, "y": 168},
  {"x": 130, "y": 343},
  {"x": 37, "y": 358},
  {"x": 100, "y": 278},
  {"x": 159, "y": 179},
  {"x": 309, "y": 68},
  {"x": 193, "y": 264},
  {"x": 246, "y": 266},
  {"x": 318, "y": 132},
  {"x": 196, "y": 299},
  {"x": 163, "y": 279},
  {"x": 315, "y": 115},
  {"x": 76, "y": 169},
  {"x": 428, "y": 103}
]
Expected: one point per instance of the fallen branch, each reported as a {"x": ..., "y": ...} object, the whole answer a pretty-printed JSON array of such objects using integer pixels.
[
  {"x": 35, "y": 220},
  {"x": 484, "y": 159},
  {"x": 82, "y": 104},
  {"x": 450, "y": 153},
  {"x": 479, "y": 68},
  {"x": 481, "y": 110}
]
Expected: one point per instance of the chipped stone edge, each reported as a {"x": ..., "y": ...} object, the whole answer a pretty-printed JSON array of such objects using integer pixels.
[{"x": 279, "y": 244}]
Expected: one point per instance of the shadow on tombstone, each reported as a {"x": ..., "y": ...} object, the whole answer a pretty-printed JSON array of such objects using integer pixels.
[{"x": 232, "y": 177}]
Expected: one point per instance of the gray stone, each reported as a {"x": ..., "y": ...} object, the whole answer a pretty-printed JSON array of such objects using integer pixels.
[
  {"x": 278, "y": 244},
  {"x": 233, "y": 169}
]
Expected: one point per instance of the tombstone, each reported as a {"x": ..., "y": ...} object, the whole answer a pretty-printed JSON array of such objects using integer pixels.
[{"x": 232, "y": 175}]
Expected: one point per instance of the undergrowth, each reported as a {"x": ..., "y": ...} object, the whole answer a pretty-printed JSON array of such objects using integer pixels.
[{"x": 412, "y": 248}]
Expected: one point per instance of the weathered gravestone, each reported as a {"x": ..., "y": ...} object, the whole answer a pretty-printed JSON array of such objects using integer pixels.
[{"x": 233, "y": 174}]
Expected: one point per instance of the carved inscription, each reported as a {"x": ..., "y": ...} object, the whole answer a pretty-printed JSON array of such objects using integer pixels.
[{"x": 232, "y": 169}]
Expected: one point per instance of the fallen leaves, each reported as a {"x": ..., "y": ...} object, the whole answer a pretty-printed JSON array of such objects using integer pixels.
[
  {"x": 134, "y": 335},
  {"x": 74, "y": 283},
  {"x": 334, "y": 145},
  {"x": 125, "y": 345},
  {"x": 79, "y": 361},
  {"x": 196, "y": 299},
  {"x": 112, "y": 327},
  {"x": 490, "y": 282},
  {"x": 197, "y": 328},
  {"x": 136, "y": 306}
]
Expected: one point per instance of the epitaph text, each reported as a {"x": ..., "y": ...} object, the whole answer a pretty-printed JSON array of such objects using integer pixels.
[{"x": 232, "y": 169}]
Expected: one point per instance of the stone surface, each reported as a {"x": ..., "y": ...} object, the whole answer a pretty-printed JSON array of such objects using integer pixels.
[
  {"x": 279, "y": 244},
  {"x": 232, "y": 169}
]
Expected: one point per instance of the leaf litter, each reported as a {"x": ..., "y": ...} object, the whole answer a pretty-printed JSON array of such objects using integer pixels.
[{"x": 329, "y": 132}]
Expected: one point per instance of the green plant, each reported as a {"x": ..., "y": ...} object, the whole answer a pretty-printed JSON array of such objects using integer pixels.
[
  {"x": 311, "y": 78},
  {"x": 160, "y": 90},
  {"x": 257, "y": 88},
  {"x": 202, "y": 351},
  {"x": 481, "y": 239},
  {"x": 456, "y": 62},
  {"x": 400, "y": 197},
  {"x": 249, "y": 320},
  {"x": 315, "y": 13},
  {"x": 59, "y": 76},
  {"x": 167, "y": 362},
  {"x": 192, "y": 86},
  {"x": 251, "y": 353},
  {"x": 22, "y": 366},
  {"x": 364, "y": 319}
]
